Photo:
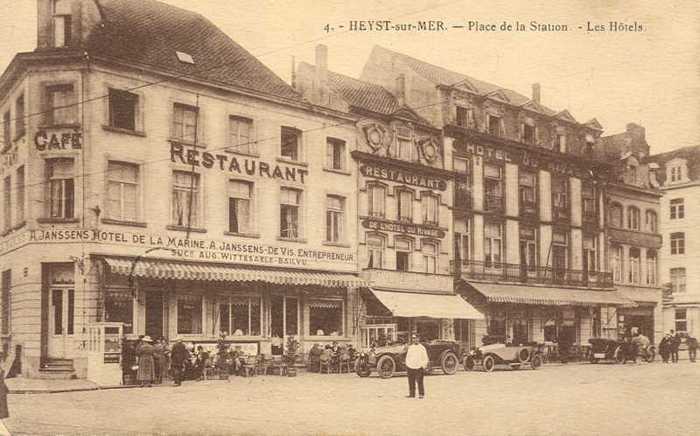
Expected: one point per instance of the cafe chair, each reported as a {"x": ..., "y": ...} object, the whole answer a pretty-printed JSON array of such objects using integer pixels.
[
  {"x": 278, "y": 365},
  {"x": 344, "y": 361},
  {"x": 264, "y": 363},
  {"x": 249, "y": 366},
  {"x": 325, "y": 361}
]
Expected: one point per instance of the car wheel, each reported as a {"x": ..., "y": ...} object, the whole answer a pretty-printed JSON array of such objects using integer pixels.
[
  {"x": 386, "y": 366},
  {"x": 489, "y": 363},
  {"x": 619, "y": 355},
  {"x": 362, "y": 370},
  {"x": 469, "y": 363},
  {"x": 523, "y": 355},
  {"x": 536, "y": 361},
  {"x": 449, "y": 363},
  {"x": 651, "y": 355}
]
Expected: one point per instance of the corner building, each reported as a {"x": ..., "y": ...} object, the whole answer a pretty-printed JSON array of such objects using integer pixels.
[{"x": 167, "y": 180}]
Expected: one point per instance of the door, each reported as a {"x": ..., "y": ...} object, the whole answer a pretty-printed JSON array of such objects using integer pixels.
[
  {"x": 61, "y": 321},
  {"x": 284, "y": 321},
  {"x": 559, "y": 262},
  {"x": 154, "y": 314}
]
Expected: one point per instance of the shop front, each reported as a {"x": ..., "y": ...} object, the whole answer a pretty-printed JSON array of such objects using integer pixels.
[{"x": 646, "y": 317}]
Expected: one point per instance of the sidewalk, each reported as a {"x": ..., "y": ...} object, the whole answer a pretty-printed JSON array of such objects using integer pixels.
[{"x": 22, "y": 385}]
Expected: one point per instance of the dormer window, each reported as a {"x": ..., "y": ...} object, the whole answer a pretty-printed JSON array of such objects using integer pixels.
[
  {"x": 62, "y": 25},
  {"x": 464, "y": 116},
  {"x": 676, "y": 174},
  {"x": 494, "y": 125},
  {"x": 561, "y": 143},
  {"x": 529, "y": 134}
]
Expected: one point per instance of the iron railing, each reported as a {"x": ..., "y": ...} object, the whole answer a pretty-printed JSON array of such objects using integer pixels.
[
  {"x": 493, "y": 202},
  {"x": 508, "y": 272}
]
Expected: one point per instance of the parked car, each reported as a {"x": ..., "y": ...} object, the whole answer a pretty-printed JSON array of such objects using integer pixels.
[
  {"x": 619, "y": 351},
  {"x": 390, "y": 359},
  {"x": 487, "y": 357}
]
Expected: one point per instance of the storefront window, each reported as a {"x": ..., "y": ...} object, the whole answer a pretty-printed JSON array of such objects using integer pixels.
[
  {"x": 497, "y": 325},
  {"x": 189, "y": 314},
  {"x": 326, "y": 318},
  {"x": 119, "y": 307},
  {"x": 240, "y": 316}
]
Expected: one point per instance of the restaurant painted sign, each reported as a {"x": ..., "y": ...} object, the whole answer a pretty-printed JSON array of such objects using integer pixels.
[
  {"x": 399, "y": 227},
  {"x": 402, "y": 176}
]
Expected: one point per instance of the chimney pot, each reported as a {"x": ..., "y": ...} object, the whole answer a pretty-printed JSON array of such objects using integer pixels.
[
  {"x": 321, "y": 74},
  {"x": 536, "y": 93},
  {"x": 401, "y": 89}
]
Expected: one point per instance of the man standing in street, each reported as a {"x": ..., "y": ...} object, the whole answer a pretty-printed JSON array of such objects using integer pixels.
[
  {"x": 178, "y": 355},
  {"x": 675, "y": 344},
  {"x": 416, "y": 363},
  {"x": 692, "y": 347}
]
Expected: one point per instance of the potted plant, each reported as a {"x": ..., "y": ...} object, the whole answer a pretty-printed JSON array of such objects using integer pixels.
[
  {"x": 291, "y": 351},
  {"x": 223, "y": 360}
]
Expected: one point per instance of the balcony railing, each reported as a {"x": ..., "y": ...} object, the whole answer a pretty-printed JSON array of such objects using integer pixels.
[
  {"x": 508, "y": 272},
  {"x": 493, "y": 203},
  {"x": 528, "y": 207}
]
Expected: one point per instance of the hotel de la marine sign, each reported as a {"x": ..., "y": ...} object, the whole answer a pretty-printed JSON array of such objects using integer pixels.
[{"x": 159, "y": 178}]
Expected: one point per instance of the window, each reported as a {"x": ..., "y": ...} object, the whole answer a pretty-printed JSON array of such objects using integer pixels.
[
  {"x": 529, "y": 133},
  {"x": 430, "y": 257},
  {"x": 464, "y": 116},
  {"x": 677, "y": 280},
  {"x": 461, "y": 165},
  {"x": 635, "y": 266},
  {"x": 431, "y": 206},
  {"x": 122, "y": 109},
  {"x": 60, "y": 183},
  {"x": 677, "y": 208},
  {"x": 404, "y": 143},
  {"x": 676, "y": 173},
  {"x": 493, "y": 125},
  {"x": 20, "y": 195},
  {"x": 189, "y": 314},
  {"x": 325, "y": 318},
  {"x": 240, "y": 196},
  {"x": 527, "y": 188},
  {"x": 186, "y": 195},
  {"x": 5, "y": 303},
  {"x": 651, "y": 267},
  {"x": 335, "y": 218},
  {"x": 290, "y": 143},
  {"x": 376, "y": 200},
  {"x": 633, "y": 218},
  {"x": 62, "y": 26},
  {"x": 651, "y": 224},
  {"x": 6, "y": 131},
  {"x": 560, "y": 254},
  {"x": 588, "y": 201},
  {"x": 560, "y": 197},
  {"x": 616, "y": 258},
  {"x": 589, "y": 253},
  {"x": 493, "y": 241},
  {"x": 561, "y": 143},
  {"x": 290, "y": 218},
  {"x": 681, "y": 320},
  {"x": 7, "y": 203},
  {"x": 493, "y": 187},
  {"x": 335, "y": 154},
  {"x": 240, "y": 316},
  {"x": 678, "y": 243},
  {"x": 61, "y": 105},
  {"x": 20, "y": 124},
  {"x": 463, "y": 239},
  {"x": 240, "y": 139},
  {"x": 122, "y": 191},
  {"x": 616, "y": 215},
  {"x": 375, "y": 251},
  {"x": 119, "y": 307},
  {"x": 403, "y": 254},
  {"x": 462, "y": 183},
  {"x": 405, "y": 209},
  {"x": 185, "y": 119},
  {"x": 528, "y": 249}
]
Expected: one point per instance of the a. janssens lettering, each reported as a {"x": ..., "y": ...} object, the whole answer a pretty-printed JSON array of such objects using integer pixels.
[{"x": 224, "y": 162}]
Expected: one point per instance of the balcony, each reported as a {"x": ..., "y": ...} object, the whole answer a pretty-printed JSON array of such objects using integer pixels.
[
  {"x": 528, "y": 208},
  {"x": 493, "y": 203},
  {"x": 508, "y": 272},
  {"x": 638, "y": 239},
  {"x": 560, "y": 213},
  {"x": 408, "y": 280}
]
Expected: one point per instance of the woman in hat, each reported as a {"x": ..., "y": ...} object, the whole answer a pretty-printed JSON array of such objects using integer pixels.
[{"x": 146, "y": 372}]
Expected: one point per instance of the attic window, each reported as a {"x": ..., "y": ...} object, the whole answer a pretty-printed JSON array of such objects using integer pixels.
[{"x": 185, "y": 58}]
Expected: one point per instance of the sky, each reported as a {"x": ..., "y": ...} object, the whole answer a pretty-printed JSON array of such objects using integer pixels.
[{"x": 650, "y": 77}]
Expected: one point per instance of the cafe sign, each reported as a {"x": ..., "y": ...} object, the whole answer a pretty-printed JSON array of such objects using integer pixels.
[
  {"x": 407, "y": 228},
  {"x": 58, "y": 140},
  {"x": 402, "y": 176}
]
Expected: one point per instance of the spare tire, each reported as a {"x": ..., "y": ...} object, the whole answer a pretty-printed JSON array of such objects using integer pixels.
[{"x": 523, "y": 355}]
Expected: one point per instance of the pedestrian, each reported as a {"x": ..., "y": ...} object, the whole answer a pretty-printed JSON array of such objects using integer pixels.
[
  {"x": 146, "y": 371},
  {"x": 665, "y": 347},
  {"x": 4, "y": 412},
  {"x": 178, "y": 356},
  {"x": 202, "y": 363},
  {"x": 675, "y": 344},
  {"x": 692, "y": 343},
  {"x": 159, "y": 360},
  {"x": 416, "y": 364}
]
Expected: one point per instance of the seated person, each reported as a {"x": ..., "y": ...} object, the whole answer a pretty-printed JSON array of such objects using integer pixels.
[
  {"x": 238, "y": 357},
  {"x": 320, "y": 332},
  {"x": 315, "y": 358},
  {"x": 202, "y": 362},
  {"x": 238, "y": 332}
]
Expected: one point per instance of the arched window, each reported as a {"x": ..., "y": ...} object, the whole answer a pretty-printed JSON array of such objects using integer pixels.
[
  {"x": 650, "y": 220},
  {"x": 376, "y": 200},
  {"x": 651, "y": 267},
  {"x": 633, "y": 218},
  {"x": 616, "y": 215}
]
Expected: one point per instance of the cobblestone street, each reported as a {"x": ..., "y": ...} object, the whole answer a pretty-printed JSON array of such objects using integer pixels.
[{"x": 648, "y": 399}]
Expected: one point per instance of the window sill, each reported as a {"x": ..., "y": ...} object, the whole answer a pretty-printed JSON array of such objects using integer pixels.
[
  {"x": 243, "y": 235},
  {"x": 231, "y": 150},
  {"x": 60, "y": 126},
  {"x": 123, "y": 223},
  {"x": 125, "y": 131},
  {"x": 299, "y": 240},
  {"x": 292, "y": 162},
  {"x": 185, "y": 229},
  {"x": 187, "y": 143},
  {"x": 333, "y": 170},
  {"x": 57, "y": 220},
  {"x": 336, "y": 244}
]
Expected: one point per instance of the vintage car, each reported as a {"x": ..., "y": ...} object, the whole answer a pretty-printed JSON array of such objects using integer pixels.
[
  {"x": 619, "y": 351},
  {"x": 390, "y": 359},
  {"x": 487, "y": 357}
]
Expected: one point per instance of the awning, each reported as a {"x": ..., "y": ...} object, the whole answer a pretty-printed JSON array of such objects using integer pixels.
[
  {"x": 540, "y": 295},
  {"x": 165, "y": 269},
  {"x": 413, "y": 304},
  {"x": 641, "y": 295}
]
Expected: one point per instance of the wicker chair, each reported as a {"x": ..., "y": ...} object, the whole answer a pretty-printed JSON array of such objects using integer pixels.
[{"x": 325, "y": 361}]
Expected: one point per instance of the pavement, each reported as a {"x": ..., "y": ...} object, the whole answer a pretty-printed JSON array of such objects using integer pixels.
[{"x": 580, "y": 399}]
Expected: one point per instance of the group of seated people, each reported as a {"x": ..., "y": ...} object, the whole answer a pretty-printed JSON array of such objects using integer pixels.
[{"x": 330, "y": 354}]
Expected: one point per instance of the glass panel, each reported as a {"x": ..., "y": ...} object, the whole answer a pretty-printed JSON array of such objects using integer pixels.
[{"x": 292, "y": 316}]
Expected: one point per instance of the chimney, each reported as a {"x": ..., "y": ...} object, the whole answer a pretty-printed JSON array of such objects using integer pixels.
[
  {"x": 64, "y": 23},
  {"x": 637, "y": 131},
  {"x": 321, "y": 74},
  {"x": 536, "y": 93},
  {"x": 294, "y": 73},
  {"x": 401, "y": 89},
  {"x": 44, "y": 14}
]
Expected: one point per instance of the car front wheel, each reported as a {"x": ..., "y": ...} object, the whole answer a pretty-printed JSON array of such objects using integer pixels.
[
  {"x": 386, "y": 367},
  {"x": 489, "y": 363},
  {"x": 469, "y": 363},
  {"x": 449, "y": 363}
]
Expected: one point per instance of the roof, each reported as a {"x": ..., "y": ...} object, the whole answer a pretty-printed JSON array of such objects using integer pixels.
[
  {"x": 149, "y": 33},
  {"x": 445, "y": 77},
  {"x": 691, "y": 154}
]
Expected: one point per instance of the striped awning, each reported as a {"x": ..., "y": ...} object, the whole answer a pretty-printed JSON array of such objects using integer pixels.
[
  {"x": 169, "y": 270},
  {"x": 546, "y": 296}
]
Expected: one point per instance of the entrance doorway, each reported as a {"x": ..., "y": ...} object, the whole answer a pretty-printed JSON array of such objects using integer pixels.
[
  {"x": 284, "y": 321},
  {"x": 61, "y": 321},
  {"x": 154, "y": 314}
]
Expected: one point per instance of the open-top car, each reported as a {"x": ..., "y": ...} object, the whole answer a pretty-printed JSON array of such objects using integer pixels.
[
  {"x": 390, "y": 359},
  {"x": 487, "y": 357},
  {"x": 620, "y": 351}
]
